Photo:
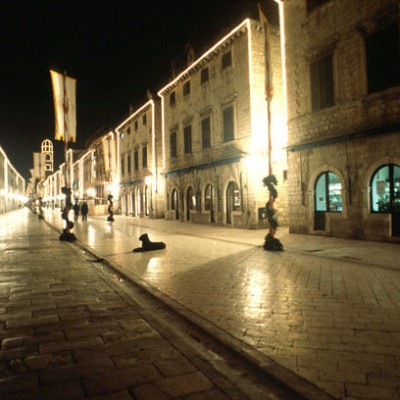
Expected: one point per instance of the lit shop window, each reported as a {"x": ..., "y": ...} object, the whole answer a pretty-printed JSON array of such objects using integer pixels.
[
  {"x": 328, "y": 193},
  {"x": 385, "y": 189}
]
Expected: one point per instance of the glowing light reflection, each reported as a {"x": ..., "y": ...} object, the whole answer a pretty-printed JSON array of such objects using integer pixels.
[
  {"x": 153, "y": 265},
  {"x": 91, "y": 235},
  {"x": 257, "y": 286}
]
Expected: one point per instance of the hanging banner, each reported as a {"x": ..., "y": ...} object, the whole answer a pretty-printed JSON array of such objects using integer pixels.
[{"x": 64, "y": 94}]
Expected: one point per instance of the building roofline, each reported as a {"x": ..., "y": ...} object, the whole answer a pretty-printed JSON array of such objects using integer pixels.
[
  {"x": 133, "y": 115},
  {"x": 184, "y": 73}
]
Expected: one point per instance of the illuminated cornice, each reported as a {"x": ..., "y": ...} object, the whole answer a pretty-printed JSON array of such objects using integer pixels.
[
  {"x": 101, "y": 139},
  {"x": 221, "y": 44},
  {"x": 145, "y": 106},
  {"x": 7, "y": 160}
]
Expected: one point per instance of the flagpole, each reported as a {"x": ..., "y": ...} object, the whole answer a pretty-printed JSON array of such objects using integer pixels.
[
  {"x": 65, "y": 108},
  {"x": 271, "y": 243},
  {"x": 67, "y": 235}
]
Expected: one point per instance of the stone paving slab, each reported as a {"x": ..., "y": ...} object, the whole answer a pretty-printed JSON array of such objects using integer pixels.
[
  {"x": 67, "y": 333},
  {"x": 326, "y": 309}
]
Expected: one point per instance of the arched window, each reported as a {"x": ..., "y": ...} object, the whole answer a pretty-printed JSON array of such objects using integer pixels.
[
  {"x": 328, "y": 193},
  {"x": 191, "y": 199},
  {"x": 208, "y": 198},
  {"x": 146, "y": 200},
  {"x": 138, "y": 202},
  {"x": 190, "y": 202},
  {"x": 209, "y": 202},
  {"x": 174, "y": 203},
  {"x": 327, "y": 197},
  {"x": 174, "y": 200},
  {"x": 133, "y": 211},
  {"x": 385, "y": 189},
  {"x": 233, "y": 200}
]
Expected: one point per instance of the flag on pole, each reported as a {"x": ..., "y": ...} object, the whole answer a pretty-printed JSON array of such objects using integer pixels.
[
  {"x": 64, "y": 94},
  {"x": 269, "y": 89}
]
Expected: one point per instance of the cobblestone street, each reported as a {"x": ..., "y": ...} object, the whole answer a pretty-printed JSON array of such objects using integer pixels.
[
  {"x": 322, "y": 316},
  {"x": 68, "y": 330},
  {"x": 326, "y": 309}
]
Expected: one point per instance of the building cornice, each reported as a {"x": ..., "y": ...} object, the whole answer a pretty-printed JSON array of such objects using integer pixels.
[{"x": 218, "y": 47}]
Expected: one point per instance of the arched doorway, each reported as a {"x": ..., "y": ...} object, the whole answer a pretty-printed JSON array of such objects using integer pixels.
[
  {"x": 232, "y": 200},
  {"x": 124, "y": 201},
  {"x": 385, "y": 194},
  {"x": 209, "y": 202},
  {"x": 190, "y": 202},
  {"x": 146, "y": 200},
  {"x": 138, "y": 202},
  {"x": 327, "y": 197},
  {"x": 132, "y": 202},
  {"x": 175, "y": 203}
]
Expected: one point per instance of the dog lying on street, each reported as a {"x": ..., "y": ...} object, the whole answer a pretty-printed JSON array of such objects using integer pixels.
[{"x": 148, "y": 245}]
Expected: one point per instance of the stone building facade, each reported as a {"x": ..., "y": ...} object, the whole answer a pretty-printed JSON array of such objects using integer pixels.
[
  {"x": 215, "y": 132},
  {"x": 12, "y": 185},
  {"x": 343, "y": 74},
  {"x": 140, "y": 162},
  {"x": 199, "y": 152}
]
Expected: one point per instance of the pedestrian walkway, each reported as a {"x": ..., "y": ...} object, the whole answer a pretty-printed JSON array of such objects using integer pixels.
[
  {"x": 327, "y": 310},
  {"x": 68, "y": 330}
]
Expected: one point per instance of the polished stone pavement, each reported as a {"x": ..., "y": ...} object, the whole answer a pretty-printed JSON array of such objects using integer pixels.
[
  {"x": 72, "y": 329},
  {"x": 324, "y": 312}
]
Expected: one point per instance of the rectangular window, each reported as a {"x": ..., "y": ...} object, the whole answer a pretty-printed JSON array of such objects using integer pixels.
[
  {"x": 172, "y": 99},
  {"x": 122, "y": 165},
  {"x": 136, "y": 125},
  {"x": 227, "y": 60},
  {"x": 383, "y": 58},
  {"x": 172, "y": 145},
  {"x": 322, "y": 93},
  {"x": 144, "y": 156},
  {"x": 144, "y": 119},
  {"x": 204, "y": 75},
  {"x": 136, "y": 160},
  {"x": 129, "y": 164},
  {"x": 313, "y": 4},
  {"x": 187, "y": 138},
  {"x": 228, "y": 124},
  {"x": 186, "y": 88},
  {"x": 206, "y": 133}
]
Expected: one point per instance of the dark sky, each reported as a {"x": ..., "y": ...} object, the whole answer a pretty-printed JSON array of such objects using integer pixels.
[{"x": 116, "y": 49}]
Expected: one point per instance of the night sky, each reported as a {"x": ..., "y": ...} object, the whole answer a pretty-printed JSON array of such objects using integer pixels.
[{"x": 116, "y": 49}]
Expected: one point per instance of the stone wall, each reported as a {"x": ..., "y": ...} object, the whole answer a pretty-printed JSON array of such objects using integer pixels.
[{"x": 352, "y": 138}]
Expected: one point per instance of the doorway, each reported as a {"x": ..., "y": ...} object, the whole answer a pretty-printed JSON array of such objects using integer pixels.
[
  {"x": 327, "y": 198},
  {"x": 175, "y": 203}
]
